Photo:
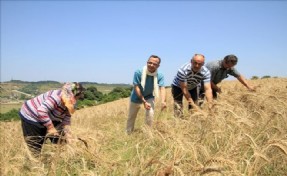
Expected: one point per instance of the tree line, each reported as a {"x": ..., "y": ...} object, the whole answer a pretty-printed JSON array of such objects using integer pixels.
[
  {"x": 92, "y": 97},
  {"x": 263, "y": 77}
]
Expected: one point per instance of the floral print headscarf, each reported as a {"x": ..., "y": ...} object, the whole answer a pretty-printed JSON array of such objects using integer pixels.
[{"x": 69, "y": 92}]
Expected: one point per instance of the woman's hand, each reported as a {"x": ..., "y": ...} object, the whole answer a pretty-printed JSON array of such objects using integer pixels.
[
  {"x": 51, "y": 131},
  {"x": 69, "y": 138}
]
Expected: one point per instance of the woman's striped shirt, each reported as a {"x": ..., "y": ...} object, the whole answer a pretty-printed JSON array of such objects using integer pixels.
[{"x": 45, "y": 108}]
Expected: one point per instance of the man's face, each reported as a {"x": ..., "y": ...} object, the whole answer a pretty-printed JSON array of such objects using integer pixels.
[
  {"x": 197, "y": 62},
  {"x": 229, "y": 64},
  {"x": 152, "y": 64}
]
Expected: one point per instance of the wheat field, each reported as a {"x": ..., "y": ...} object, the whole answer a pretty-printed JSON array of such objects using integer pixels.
[{"x": 244, "y": 135}]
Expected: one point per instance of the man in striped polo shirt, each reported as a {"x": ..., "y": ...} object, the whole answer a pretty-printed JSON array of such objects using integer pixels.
[{"x": 186, "y": 82}]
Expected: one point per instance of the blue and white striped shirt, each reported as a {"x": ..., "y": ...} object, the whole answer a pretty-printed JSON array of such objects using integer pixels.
[{"x": 185, "y": 74}]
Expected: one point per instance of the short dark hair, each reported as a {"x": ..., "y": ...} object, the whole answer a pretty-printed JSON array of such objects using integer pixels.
[
  {"x": 230, "y": 59},
  {"x": 155, "y": 56}
]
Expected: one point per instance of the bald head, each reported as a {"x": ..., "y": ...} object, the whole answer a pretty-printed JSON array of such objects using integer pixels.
[
  {"x": 197, "y": 62},
  {"x": 198, "y": 58}
]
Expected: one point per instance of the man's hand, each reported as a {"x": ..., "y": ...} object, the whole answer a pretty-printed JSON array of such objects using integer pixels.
[
  {"x": 163, "y": 105},
  {"x": 251, "y": 88},
  {"x": 193, "y": 107},
  {"x": 147, "y": 106},
  {"x": 218, "y": 90}
]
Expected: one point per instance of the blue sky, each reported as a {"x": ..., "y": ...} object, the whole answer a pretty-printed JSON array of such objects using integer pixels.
[{"x": 106, "y": 41}]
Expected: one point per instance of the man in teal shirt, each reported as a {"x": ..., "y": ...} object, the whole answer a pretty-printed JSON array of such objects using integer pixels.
[{"x": 148, "y": 83}]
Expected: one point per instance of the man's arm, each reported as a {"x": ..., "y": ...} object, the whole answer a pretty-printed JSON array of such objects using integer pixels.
[
  {"x": 208, "y": 94},
  {"x": 244, "y": 82},
  {"x": 183, "y": 86},
  {"x": 139, "y": 94},
  {"x": 215, "y": 87},
  {"x": 163, "y": 97}
]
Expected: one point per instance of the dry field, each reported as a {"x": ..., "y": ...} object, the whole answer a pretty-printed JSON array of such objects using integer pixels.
[{"x": 245, "y": 134}]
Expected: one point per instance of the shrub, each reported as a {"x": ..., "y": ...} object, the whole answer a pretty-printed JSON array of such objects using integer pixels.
[
  {"x": 254, "y": 77},
  {"x": 263, "y": 77},
  {"x": 9, "y": 116}
]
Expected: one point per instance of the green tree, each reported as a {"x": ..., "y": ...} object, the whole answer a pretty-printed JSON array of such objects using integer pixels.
[
  {"x": 116, "y": 93},
  {"x": 9, "y": 116},
  {"x": 89, "y": 95},
  {"x": 254, "y": 77},
  {"x": 93, "y": 97},
  {"x": 264, "y": 77},
  {"x": 85, "y": 102},
  {"x": 92, "y": 93},
  {"x": 122, "y": 92}
]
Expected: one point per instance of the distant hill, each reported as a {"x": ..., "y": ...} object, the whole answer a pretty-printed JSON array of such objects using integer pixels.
[
  {"x": 25, "y": 82},
  {"x": 105, "y": 84},
  {"x": 10, "y": 90},
  {"x": 56, "y": 82}
]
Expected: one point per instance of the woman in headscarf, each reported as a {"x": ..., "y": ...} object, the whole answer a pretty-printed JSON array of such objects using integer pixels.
[{"x": 49, "y": 114}]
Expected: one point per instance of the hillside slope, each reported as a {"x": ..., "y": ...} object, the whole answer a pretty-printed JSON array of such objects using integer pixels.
[{"x": 245, "y": 134}]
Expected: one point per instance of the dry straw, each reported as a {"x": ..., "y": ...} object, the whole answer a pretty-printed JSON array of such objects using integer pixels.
[{"x": 244, "y": 134}]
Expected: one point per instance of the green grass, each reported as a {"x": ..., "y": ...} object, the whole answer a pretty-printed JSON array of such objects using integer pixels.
[{"x": 8, "y": 107}]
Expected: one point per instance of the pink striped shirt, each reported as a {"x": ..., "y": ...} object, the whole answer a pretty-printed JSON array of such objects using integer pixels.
[{"x": 46, "y": 108}]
